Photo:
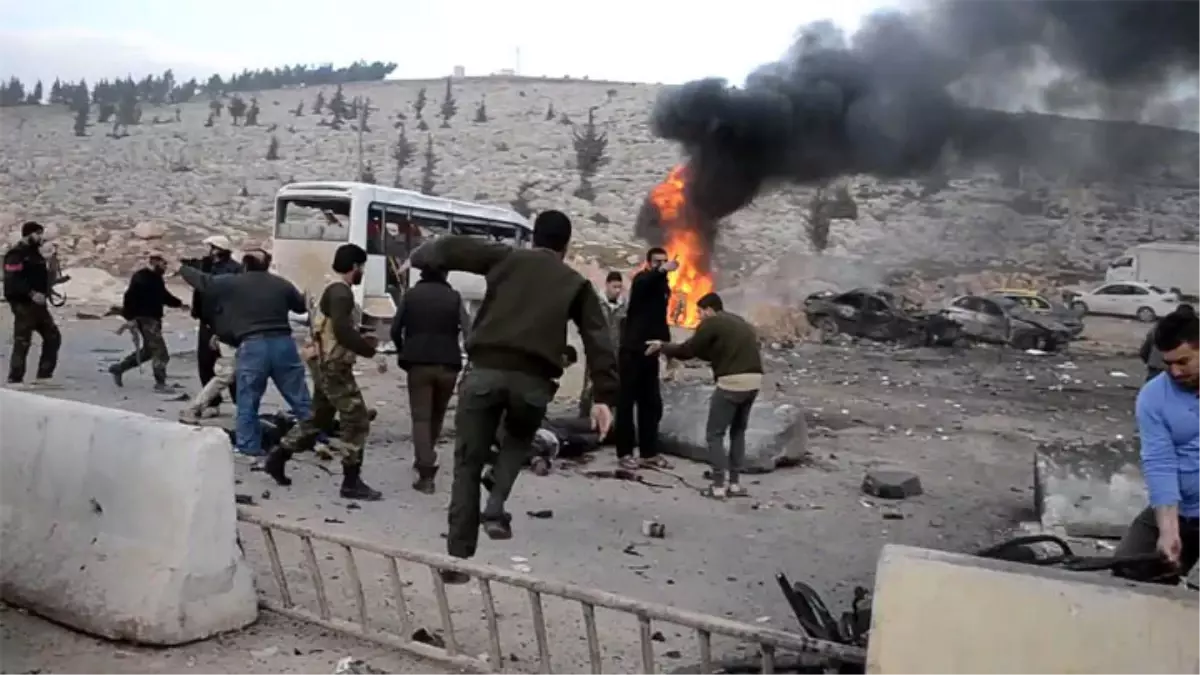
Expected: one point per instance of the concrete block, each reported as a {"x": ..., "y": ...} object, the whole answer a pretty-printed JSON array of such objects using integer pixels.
[
  {"x": 892, "y": 484},
  {"x": 777, "y": 434},
  {"x": 117, "y": 524},
  {"x": 935, "y": 612},
  {"x": 1088, "y": 487}
]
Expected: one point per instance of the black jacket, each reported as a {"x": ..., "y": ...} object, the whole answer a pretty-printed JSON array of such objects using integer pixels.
[
  {"x": 25, "y": 272},
  {"x": 146, "y": 296},
  {"x": 428, "y": 322},
  {"x": 646, "y": 312},
  {"x": 214, "y": 267}
]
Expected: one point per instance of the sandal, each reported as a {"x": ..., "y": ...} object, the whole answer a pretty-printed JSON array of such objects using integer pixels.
[
  {"x": 656, "y": 462},
  {"x": 714, "y": 492}
]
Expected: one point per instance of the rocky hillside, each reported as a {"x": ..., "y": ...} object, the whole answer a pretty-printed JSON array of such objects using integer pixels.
[{"x": 1083, "y": 191}]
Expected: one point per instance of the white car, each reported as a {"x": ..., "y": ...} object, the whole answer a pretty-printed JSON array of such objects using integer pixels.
[{"x": 1127, "y": 298}]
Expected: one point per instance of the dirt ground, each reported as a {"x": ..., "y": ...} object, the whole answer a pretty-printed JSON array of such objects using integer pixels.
[{"x": 966, "y": 421}]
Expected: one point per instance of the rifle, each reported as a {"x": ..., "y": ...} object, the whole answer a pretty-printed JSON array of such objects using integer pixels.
[{"x": 57, "y": 278}]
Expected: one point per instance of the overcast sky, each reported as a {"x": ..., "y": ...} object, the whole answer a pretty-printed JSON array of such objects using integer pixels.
[{"x": 619, "y": 39}]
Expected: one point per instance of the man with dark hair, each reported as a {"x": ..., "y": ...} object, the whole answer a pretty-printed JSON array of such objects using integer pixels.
[
  {"x": 27, "y": 286},
  {"x": 1150, "y": 354},
  {"x": 334, "y": 345},
  {"x": 254, "y": 308},
  {"x": 645, "y": 320},
  {"x": 516, "y": 354},
  {"x": 1168, "y": 421},
  {"x": 614, "y": 314},
  {"x": 142, "y": 309},
  {"x": 430, "y": 318},
  {"x": 730, "y": 344}
]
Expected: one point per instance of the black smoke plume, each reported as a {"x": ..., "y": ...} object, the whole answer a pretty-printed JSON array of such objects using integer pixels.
[{"x": 882, "y": 101}]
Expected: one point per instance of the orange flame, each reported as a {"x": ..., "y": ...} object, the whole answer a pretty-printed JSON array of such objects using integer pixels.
[{"x": 692, "y": 280}]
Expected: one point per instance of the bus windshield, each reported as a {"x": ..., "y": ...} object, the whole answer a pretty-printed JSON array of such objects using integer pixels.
[{"x": 313, "y": 219}]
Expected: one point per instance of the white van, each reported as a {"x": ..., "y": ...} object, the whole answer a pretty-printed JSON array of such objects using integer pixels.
[
  {"x": 313, "y": 219},
  {"x": 1164, "y": 264}
]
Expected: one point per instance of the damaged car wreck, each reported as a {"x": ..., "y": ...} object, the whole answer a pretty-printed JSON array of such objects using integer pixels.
[
  {"x": 878, "y": 314},
  {"x": 999, "y": 319}
]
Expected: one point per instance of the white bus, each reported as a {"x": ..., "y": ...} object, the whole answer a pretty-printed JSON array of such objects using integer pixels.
[{"x": 313, "y": 219}]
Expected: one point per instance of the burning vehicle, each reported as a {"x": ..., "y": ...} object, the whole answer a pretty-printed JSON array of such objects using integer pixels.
[
  {"x": 878, "y": 314},
  {"x": 998, "y": 319}
]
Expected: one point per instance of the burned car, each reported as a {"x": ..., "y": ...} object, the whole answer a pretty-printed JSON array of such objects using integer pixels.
[
  {"x": 878, "y": 314},
  {"x": 998, "y": 319}
]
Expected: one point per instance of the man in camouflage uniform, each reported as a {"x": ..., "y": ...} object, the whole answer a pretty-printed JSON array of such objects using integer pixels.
[
  {"x": 614, "y": 314},
  {"x": 142, "y": 309},
  {"x": 334, "y": 346},
  {"x": 27, "y": 286}
]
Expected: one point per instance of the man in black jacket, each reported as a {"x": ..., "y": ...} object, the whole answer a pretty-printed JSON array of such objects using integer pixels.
[
  {"x": 429, "y": 320},
  {"x": 27, "y": 289},
  {"x": 645, "y": 321},
  {"x": 142, "y": 310},
  {"x": 218, "y": 261}
]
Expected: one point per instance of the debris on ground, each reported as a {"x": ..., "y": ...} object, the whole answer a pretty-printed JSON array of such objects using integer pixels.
[
  {"x": 426, "y": 637},
  {"x": 892, "y": 484},
  {"x": 353, "y": 666},
  {"x": 245, "y": 500},
  {"x": 542, "y": 513},
  {"x": 653, "y": 529}
]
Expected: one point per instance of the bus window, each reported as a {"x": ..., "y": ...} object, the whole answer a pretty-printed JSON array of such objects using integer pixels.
[
  {"x": 313, "y": 219},
  {"x": 493, "y": 232},
  {"x": 375, "y": 232}
]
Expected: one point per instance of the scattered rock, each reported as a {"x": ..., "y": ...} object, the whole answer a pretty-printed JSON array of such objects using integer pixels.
[
  {"x": 427, "y": 638},
  {"x": 543, "y": 513},
  {"x": 892, "y": 484},
  {"x": 149, "y": 230}
]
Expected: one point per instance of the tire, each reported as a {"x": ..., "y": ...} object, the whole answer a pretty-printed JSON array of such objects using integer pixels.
[
  {"x": 1079, "y": 307},
  {"x": 827, "y": 328},
  {"x": 1146, "y": 315},
  {"x": 1025, "y": 341}
]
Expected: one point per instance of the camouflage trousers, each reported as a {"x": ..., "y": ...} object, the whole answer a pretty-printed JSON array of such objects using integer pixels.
[
  {"x": 153, "y": 349},
  {"x": 335, "y": 396},
  {"x": 30, "y": 318}
]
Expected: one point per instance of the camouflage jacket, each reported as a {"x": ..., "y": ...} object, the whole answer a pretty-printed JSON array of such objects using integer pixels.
[{"x": 614, "y": 313}]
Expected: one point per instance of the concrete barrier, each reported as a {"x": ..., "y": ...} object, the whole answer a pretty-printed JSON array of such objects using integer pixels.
[
  {"x": 937, "y": 612},
  {"x": 1088, "y": 489},
  {"x": 118, "y": 524}
]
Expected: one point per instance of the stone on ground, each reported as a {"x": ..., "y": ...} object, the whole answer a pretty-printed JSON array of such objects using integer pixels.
[
  {"x": 777, "y": 435},
  {"x": 892, "y": 484}
]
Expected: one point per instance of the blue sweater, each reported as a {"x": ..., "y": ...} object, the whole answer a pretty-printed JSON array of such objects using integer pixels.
[{"x": 1168, "y": 419}]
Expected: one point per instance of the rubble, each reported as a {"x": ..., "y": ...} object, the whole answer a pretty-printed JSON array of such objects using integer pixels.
[
  {"x": 892, "y": 484},
  {"x": 777, "y": 434}
]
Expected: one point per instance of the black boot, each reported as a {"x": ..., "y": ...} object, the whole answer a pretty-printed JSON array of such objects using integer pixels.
[
  {"x": 424, "y": 482},
  {"x": 275, "y": 463},
  {"x": 117, "y": 373},
  {"x": 497, "y": 527},
  {"x": 354, "y": 488}
]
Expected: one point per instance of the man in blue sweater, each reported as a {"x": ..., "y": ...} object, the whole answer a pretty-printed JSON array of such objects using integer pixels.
[{"x": 1168, "y": 421}]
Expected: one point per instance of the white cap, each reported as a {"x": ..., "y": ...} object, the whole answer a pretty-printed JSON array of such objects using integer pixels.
[{"x": 219, "y": 241}]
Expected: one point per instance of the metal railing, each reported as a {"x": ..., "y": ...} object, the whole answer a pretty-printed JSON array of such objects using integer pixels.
[{"x": 768, "y": 640}]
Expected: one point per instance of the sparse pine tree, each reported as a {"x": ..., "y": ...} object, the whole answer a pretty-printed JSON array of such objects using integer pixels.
[
  {"x": 318, "y": 104},
  {"x": 429, "y": 170},
  {"x": 105, "y": 112},
  {"x": 421, "y": 125},
  {"x": 273, "y": 149},
  {"x": 128, "y": 112},
  {"x": 81, "y": 121},
  {"x": 481, "y": 112},
  {"x": 237, "y": 108},
  {"x": 35, "y": 96},
  {"x": 449, "y": 105},
  {"x": 419, "y": 104},
  {"x": 337, "y": 107},
  {"x": 590, "y": 146},
  {"x": 299, "y": 111},
  {"x": 402, "y": 153},
  {"x": 550, "y": 114},
  {"x": 56, "y": 96},
  {"x": 252, "y": 113}
]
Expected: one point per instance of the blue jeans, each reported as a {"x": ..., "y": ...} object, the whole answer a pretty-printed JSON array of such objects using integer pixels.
[{"x": 259, "y": 359}]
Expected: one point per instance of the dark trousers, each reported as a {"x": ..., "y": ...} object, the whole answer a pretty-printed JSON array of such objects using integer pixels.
[
  {"x": 728, "y": 413},
  {"x": 206, "y": 361},
  {"x": 429, "y": 390},
  {"x": 1142, "y": 538},
  {"x": 485, "y": 398},
  {"x": 639, "y": 404},
  {"x": 30, "y": 318}
]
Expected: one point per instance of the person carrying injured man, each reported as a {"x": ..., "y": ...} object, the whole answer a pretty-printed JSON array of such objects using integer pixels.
[
  {"x": 515, "y": 355},
  {"x": 142, "y": 309},
  {"x": 730, "y": 344},
  {"x": 334, "y": 346}
]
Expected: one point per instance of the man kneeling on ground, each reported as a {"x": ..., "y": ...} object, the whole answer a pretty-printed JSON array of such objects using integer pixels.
[
  {"x": 335, "y": 344},
  {"x": 1168, "y": 420},
  {"x": 730, "y": 344}
]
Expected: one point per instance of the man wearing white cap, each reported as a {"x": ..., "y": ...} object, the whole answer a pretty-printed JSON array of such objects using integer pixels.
[{"x": 212, "y": 362}]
